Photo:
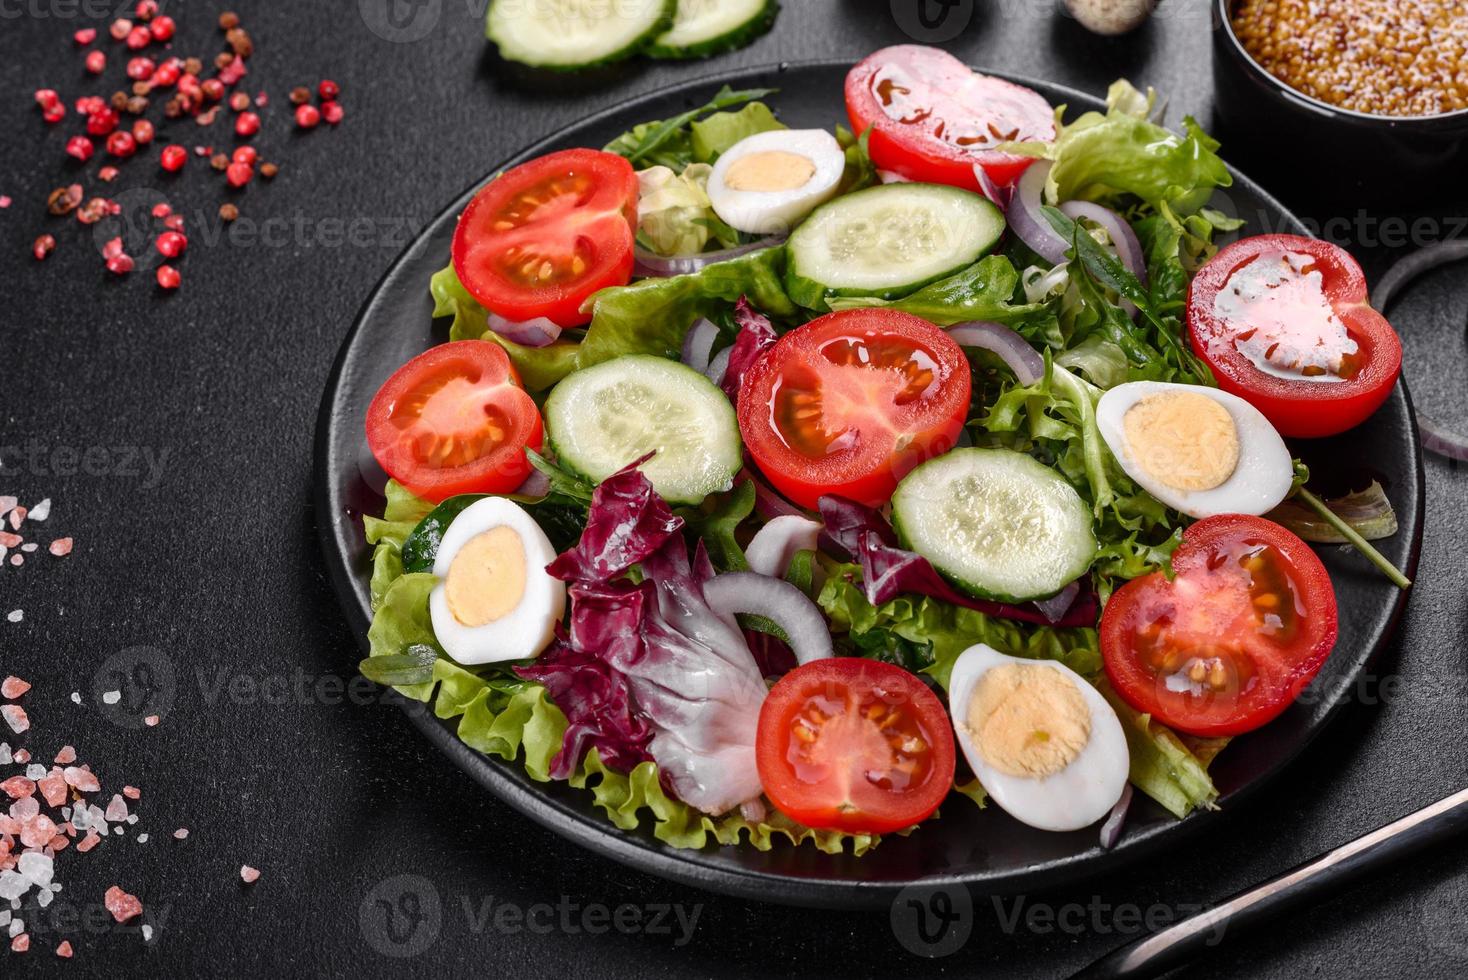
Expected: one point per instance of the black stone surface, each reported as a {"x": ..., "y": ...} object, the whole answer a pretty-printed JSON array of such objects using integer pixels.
[{"x": 210, "y": 556}]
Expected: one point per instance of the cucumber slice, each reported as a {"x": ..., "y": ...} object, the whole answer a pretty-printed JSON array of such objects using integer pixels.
[
  {"x": 601, "y": 418},
  {"x": 997, "y": 523},
  {"x": 888, "y": 241},
  {"x": 564, "y": 35},
  {"x": 708, "y": 27}
]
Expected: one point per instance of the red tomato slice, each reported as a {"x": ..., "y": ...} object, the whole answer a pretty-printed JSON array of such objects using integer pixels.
[
  {"x": 1285, "y": 324},
  {"x": 851, "y": 402},
  {"x": 1233, "y": 639},
  {"x": 541, "y": 238},
  {"x": 855, "y": 745},
  {"x": 455, "y": 420},
  {"x": 933, "y": 118}
]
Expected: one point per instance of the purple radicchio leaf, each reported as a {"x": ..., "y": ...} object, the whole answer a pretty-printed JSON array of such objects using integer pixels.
[
  {"x": 756, "y": 335},
  {"x": 627, "y": 522}
]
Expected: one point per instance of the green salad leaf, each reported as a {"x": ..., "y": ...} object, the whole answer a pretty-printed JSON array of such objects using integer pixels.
[
  {"x": 716, "y": 520},
  {"x": 1107, "y": 156},
  {"x": 983, "y": 291},
  {"x": 669, "y": 142},
  {"x": 710, "y": 137},
  {"x": 1162, "y": 766}
]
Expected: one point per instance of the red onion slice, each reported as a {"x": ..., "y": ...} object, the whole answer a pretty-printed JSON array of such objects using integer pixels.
[
  {"x": 1024, "y": 217},
  {"x": 1055, "y": 607},
  {"x": 650, "y": 265},
  {"x": 999, "y": 195},
  {"x": 1128, "y": 249},
  {"x": 536, "y": 485},
  {"x": 773, "y": 546},
  {"x": 698, "y": 342},
  {"x": 1111, "y": 829},
  {"x": 540, "y": 332},
  {"x": 777, "y": 600},
  {"x": 767, "y": 503},
  {"x": 1026, "y": 363},
  {"x": 716, "y": 368}
]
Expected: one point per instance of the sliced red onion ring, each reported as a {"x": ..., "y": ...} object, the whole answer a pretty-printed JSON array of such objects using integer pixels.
[
  {"x": 698, "y": 342},
  {"x": 1111, "y": 829},
  {"x": 1435, "y": 438},
  {"x": 777, "y": 600},
  {"x": 1026, "y": 363},
  {"x": 1055, "y": 607},
  {"x": 715, "y": 371},
  {"x": 653, "y": 266},
  {"x": 1128, "y": 249},
  {"x": 1023, "y": 214},
  {"x": 999, "y": 195},
  {"x": 539, "y": 332},
  {"x": 773, "y": 546},
  {"x": 536, "y": 485}
]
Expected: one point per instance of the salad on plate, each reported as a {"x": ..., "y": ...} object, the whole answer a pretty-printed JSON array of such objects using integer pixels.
[{"x": 797, "y": 483}]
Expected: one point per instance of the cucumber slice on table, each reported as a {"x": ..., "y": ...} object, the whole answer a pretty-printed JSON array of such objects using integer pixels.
[
  {"x": 601, "y": 418},
  {"x": 564, "y": 35},
  {"x": 996, "y": 522},
  {"x": 707, "y": 27},
  {"x": 888, "y": 241}
]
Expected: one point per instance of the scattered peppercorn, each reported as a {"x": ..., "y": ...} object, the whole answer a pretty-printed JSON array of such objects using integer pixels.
[
  {"x": 139, "y": 38},
  {"x": 328, "y": 90},
  {"x": 239, "y": 41},
  {"x": 120, "y": 265},
  {"x": 269, "y": 170},
  {"x": 332, "y": 112},
  {"x": 120, "y": 29},
  {"x": 229, "y": 20},
  {"x": 168, "y": 277},
  {"x": 245, "y": 154},
  {"x": 107, "y": 174},
  {"x": 219, "y": 161},
  {"x": 118, "y": 101},
  {"x": 93, "y": 211},
  {"x": 307, "y": 116},
  {"x": 85, "y": 36},
  {"x": 143, "y": 132},
  {"x": 239, "y": 174},
  {"x": 213, "y": 89},
  {"x": 122, "y": 144},
  {"x": 239, "y": 102},
  {"x": 171, "y": 244},
  {"x": 228, "y": 212},
  {"x": 162, "y": 28},
  {"x": 96, "y": 62},
  {"x": 43, "y": 246},
  {"x": 64, "y": 200},
  {"x": 80, "y": 148},
  {"x": 223, "y": 60},
  {"x": 247, "y": 125},
  {"x": 193, "y": 66}
]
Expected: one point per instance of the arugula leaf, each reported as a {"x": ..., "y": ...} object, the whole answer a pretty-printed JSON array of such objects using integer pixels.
[{"x": 716, "y": 525}]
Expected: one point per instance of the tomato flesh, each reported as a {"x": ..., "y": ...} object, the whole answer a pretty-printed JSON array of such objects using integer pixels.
[
  {"x": 1233, "y": 639},
  {"x": 455, "y": 420},
  {"x": 1285, "y": 323},
  {"x": 854, "y": 745},
  {"x": 851, "y": 402},
  {"x": 933, "y": 119},
  {"x": 539, "y": 239}
]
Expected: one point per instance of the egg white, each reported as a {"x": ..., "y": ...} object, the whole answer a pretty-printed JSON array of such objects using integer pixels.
[
  {"x": 527, "y": 629},
  {"x": 772, "y": 212},
  {"x": 1078, "y": 795},
  {"x": 1259, "y": 482}
]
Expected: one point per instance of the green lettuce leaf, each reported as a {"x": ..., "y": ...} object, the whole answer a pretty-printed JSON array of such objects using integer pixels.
[
  {"x": 710, "y": 137},
  {"x": 945, "y": 630},
  {"x": 669, "y": 142},
  {"x": 983, "y": 291},
  {"x": 1162, "y": 766},
  {"x": 674, "y": 213},
  {"x": 716, "y": 520},
  {"x": 1107, "y": 156}
]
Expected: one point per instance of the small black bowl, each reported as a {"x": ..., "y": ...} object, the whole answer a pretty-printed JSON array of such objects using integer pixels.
[{"x": 1313, "y": 153}]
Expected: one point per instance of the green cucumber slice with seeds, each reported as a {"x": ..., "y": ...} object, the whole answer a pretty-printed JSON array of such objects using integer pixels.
[
  {"x": 565, "y": 35},
  {"x": 997, "y": 523},
  {"x": 707, "y": 27},
  {"x": 601, "y": 418},
  {"x": 888, "y": 241}
]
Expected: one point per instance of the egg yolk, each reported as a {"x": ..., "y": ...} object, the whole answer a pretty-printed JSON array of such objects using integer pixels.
[
  {"x": 1186, "y": 441},
  {"x": 1028, "y": 720},
  {"x": 770, "y": 170},
  {"x": 486, "y": 579}
]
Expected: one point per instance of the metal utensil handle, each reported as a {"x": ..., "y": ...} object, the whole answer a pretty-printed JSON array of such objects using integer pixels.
[{"x": 1161, "y": 951}]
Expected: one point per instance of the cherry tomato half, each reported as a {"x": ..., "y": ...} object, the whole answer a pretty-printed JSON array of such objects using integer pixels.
[
  {"x": 933, "y": 118},
  {"x": 851, "y": 402},
  {"x": 1285, "y": 324},
  {"x": 1232, "y": 640},
  {"x": 541, "y": 238},
  {"x": 455, "y": 420},
  {"x": 855, "y": 745}
]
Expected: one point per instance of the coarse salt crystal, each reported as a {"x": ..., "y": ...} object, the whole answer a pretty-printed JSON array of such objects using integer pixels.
[
  {"x": 22, "y": 756},
  {"x": 83, "y": 779},
  {"x": 29, "y": 546},
  {"x": 17, "y": 517},
  {"x": 17, "y": 560},
  {"x": 122, "y": 905},
  {"x": 76, "y": 697},
  {"x": 131, "y": 792},
  {"x": 7, "y": 503},
  {"x": 15, "y": 717},
  {"x": 111, "y": 697},
  {"x": 142, "y": 838},
  {"x": 248, "y": 874},
  {"x": 147, "y": 933},
  {"x": 38, "y": 868},
  {"x": 66, "y": 756},
  {"x": 88, "y": 842},
  {"x": 116, "y": 809},
  {"x": 61, "y": 547},
  {"x": 64, "y": 949},
  {"x": 20, "y": 943},
  {"x": 41, "y": 511},
  {"x": 181, "y": 833},
  {"x": 151, "y": 721},
  {"x": 15, "y": 615},
  {"x": 13, "y": 687}
]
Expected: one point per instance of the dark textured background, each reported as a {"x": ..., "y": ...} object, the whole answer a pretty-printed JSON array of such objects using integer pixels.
[{"x": 214, "y": 566}]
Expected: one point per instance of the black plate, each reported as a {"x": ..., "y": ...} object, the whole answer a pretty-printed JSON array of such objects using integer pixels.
[{"x": 986, "y": 850}]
